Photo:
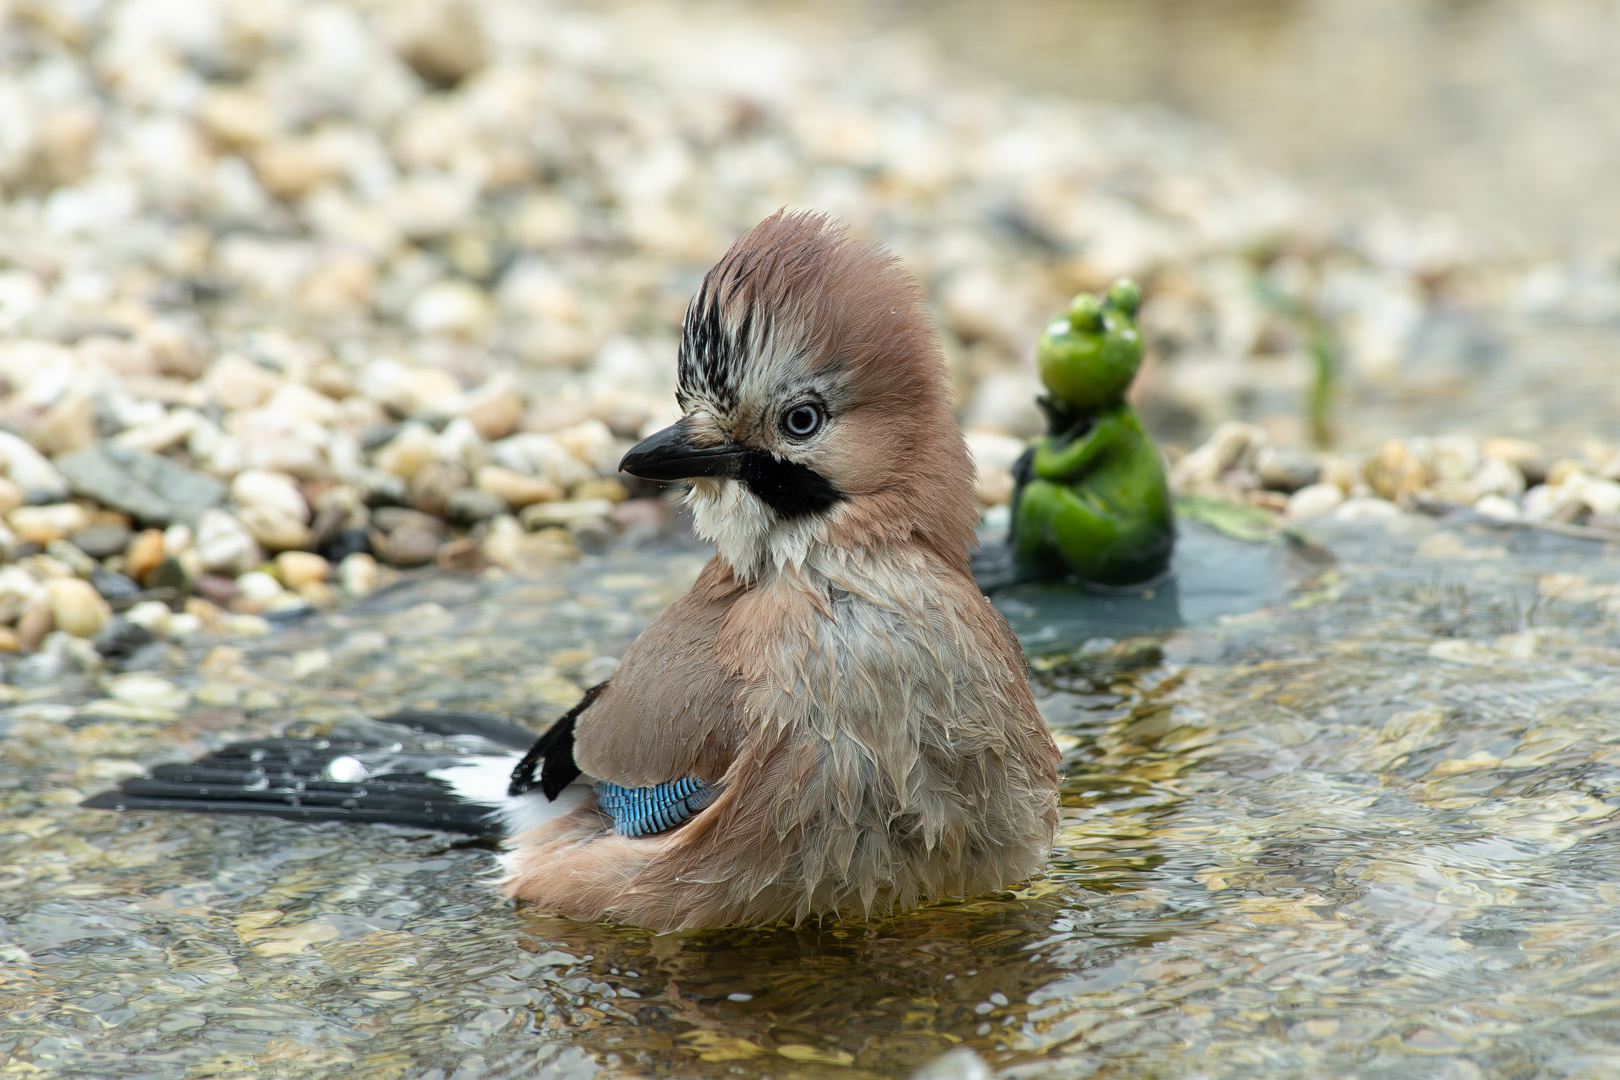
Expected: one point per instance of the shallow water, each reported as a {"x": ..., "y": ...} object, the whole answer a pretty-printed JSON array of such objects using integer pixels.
[{"x": 1366, "y": 831}]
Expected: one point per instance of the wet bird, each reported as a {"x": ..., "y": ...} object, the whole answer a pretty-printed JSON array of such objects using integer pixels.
[{"x": 832, "y": 721}]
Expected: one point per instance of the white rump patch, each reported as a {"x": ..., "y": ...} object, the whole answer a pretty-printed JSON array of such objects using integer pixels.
[{"x": 484, "y": 780}]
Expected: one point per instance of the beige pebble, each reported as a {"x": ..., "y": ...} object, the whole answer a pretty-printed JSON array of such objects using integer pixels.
[
  {"x": 609, "y": 488},
  {"x": 236, "y": 382},
  {"x": 515, "y": 488},
  {"x": 290, "y": 170},
  {"x": 433, "y": 485},
  {"x": 34, "y": 624},
  {"x": 993, "y": 485},
  {"x": 1314, "y": 500},
  {"x": 42, "y": 524},
  {"x": 11, "y": 496},
  {"x": 357, "y": 573},
  {"x": 1563, "y": 469},
  {"x": 10, "y": 640},
  {"x": 145, "y": 554},
  {"x": 452, "y": 309},
  {"x": 300, "y": 568},
  {"x": 544, "y": 515},
  {"x": 1395, "y": 473},
  {"x": 1528, "y": 457},
  {"x": 408, "y": 451},
  {"x": 410, "y": 545},
  {"x": 76, "y": 607},
  {"x": 262, "y": 488},
  {"x": 1343, "y": 473},
  {"x": 440, "y": 39},
  {"x": 273, "y": 529},
  {"x": 496, "y": 417},
  {"x": 68, "y": 425}
]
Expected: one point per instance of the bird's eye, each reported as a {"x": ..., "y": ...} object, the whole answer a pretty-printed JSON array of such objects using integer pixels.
[{"x": 801, "y": 421}]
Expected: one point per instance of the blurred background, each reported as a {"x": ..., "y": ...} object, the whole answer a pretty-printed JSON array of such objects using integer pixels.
[{"x": 336, "y": 262}]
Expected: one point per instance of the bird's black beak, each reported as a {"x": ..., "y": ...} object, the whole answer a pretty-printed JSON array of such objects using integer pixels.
[{"x": 671, "y": 455}]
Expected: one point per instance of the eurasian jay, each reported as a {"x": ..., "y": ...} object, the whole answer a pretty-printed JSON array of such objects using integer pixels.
[{"x": 833, "y": 720}]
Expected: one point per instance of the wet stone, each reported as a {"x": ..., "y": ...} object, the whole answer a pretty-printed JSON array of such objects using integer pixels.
[
  {"x": 100, "y": 541},
  {"x": 469, "y": 506},
  {"x": 120, "y": 638},
  {"x": 114, "y": 586},
  {"x": 392, "y": 518},
  {"x": 411, "y": 545},
  {"x": 145, "y": 486}
]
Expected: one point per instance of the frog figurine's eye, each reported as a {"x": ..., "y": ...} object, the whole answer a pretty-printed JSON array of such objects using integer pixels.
[{"x": 1085, "y": 314}]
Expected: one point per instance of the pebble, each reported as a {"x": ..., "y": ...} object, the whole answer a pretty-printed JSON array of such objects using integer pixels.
[
  {"x": 29, "y": 469},
  {"x": 541, "y": 515},
  {"x": 273, "y": 529},
  {"x": 146, "y": 553},
  {"x": 358, "y": 574},
  {"x": 1314, "y": 500},
  {"x": 273, "y": 491},
  {"x": 139, "y": 688},
  {"x": 113, "y": 586},
  {"x": 391, "y": 518},
  {"x": 516, "y": 489},
  {"x": 299, "y": 568},
  {"x": 1395, "y": 473},
  {"x": 1497, "y": 476},
  {"x": 101, "y": 541},
  {"x": 42, "y": 524},
  {"x": 1527, "y": 457},
  {"x": 145, "y": 486},
  {"x": 495, "y": 417},
  {"x": 12, "y": 495},
  {"x": 120, "y": 638},
  {"x": 1360, "y": 510},
  {"x": 258, "y": 587},
  {"x": 1499, "y": 508},
  {"x": 225, "y": 545},
  {"x": 410, "y": 545},
  {"x": 469, "y": 506},
  {"x": 413, "y": 447},
  {"x": 33, "y": 625},
  {"x": 76, "y": 607},
  {"x": 1285, "y": 470}
]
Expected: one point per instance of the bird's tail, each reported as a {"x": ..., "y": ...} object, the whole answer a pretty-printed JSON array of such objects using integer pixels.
[{"x": 455, "y": 775}]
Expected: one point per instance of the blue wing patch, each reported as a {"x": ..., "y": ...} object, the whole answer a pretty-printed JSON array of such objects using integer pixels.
[{"x": 642, "y": 811}]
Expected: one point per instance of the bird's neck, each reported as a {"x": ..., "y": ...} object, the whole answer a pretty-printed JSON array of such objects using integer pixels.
[{"x": 749, "y": 536}]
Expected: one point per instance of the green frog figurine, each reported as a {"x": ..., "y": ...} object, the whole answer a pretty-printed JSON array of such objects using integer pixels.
[{"x": 1092, "y": 501}]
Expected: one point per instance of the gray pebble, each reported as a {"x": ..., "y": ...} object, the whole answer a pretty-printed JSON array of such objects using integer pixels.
[
  {"x": 101, "y": 541},
  {"x": 469, "y": 506}
]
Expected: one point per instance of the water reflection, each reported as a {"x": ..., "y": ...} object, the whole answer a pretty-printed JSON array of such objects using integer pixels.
[{"x": 1368, "y": 829}]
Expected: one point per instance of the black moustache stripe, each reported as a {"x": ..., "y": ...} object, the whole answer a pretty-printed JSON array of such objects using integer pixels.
[{"x": 790, "y": 489}]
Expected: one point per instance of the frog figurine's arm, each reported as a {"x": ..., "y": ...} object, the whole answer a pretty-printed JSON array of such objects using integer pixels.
[{"x": 1070, "y": 462}]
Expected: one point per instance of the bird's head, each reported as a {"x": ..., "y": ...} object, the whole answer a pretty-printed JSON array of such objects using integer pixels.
[{"x": 817, "y": 411}]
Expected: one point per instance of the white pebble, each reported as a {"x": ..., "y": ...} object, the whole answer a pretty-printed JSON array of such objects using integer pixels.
[
  {"x": 1366, "y": 509},
  {"x": 258, "y": 587},
  {"x": 269, "y": 490},
  {"x": 1498, "y": 507},
  {"x": 1314, "y": 500}
]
